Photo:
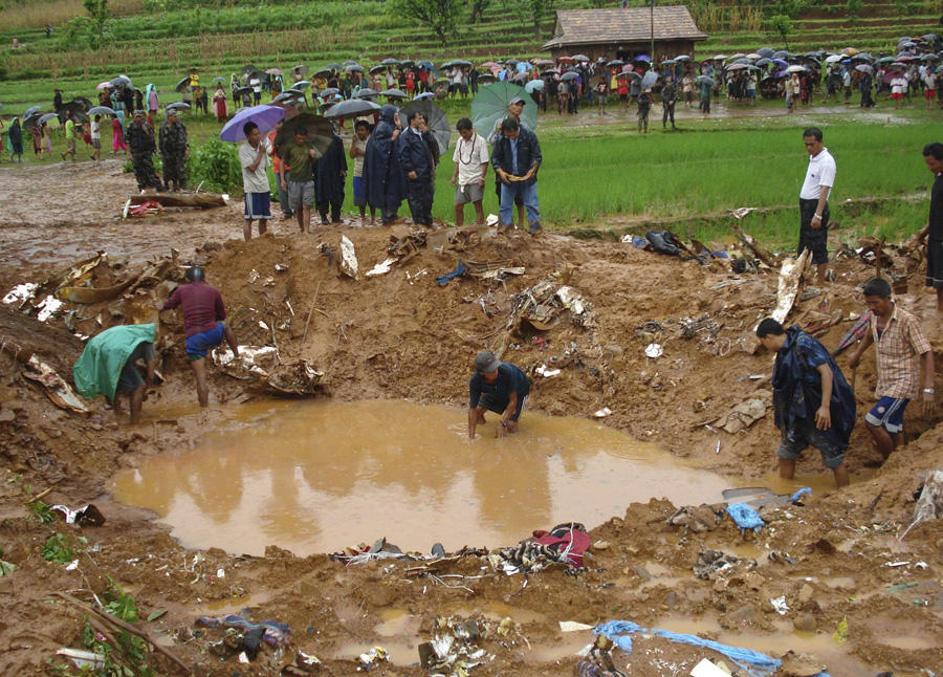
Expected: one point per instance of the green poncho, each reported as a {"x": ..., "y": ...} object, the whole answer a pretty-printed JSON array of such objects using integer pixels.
[{"x": 98, "y": 369}]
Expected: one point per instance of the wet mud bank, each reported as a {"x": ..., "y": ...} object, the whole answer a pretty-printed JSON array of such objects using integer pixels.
[{"x": 857, "y": 598}]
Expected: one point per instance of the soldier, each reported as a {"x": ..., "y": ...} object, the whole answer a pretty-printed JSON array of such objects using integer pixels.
[
  {"x": 141, "y": 143},
  {"x": 174, "y": 150}
]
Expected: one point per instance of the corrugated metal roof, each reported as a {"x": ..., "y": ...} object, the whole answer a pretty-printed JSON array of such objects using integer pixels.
[{"x": 632, "y": 24}]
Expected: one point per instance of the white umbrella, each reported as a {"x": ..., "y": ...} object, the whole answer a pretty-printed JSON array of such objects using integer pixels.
[{"x": 796, "y": 69}]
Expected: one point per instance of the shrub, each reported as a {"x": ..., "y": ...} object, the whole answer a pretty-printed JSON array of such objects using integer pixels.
[{"x": 216, "y": 165}]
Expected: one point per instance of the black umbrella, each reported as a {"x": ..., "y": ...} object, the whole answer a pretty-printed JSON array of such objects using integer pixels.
[
  {"x": 179, "y": 105},
  {"x": 329, "y": 92},
  {"x": 249, "y": 68},
  {"x": 486, "y": 78},
  {"x": 30, "y": 111},
  {"x": 354, "y": 68},
  {"x": 352, "y": 108},
  {"x": 438, "y": 123},
  {"x": 566, "y": 77},
  {"x": 324, "y": 73},
  {"x": 456, "y": 62},
  {"x": 366, "y": 93},
  {"x": 393, "y": 93},
  {"x": 620, "y": 62},
  {"x": 389, "y": 62},
  {"x": 377, "y": 69},
  {"x": 319, "y": 131},
  {"x": 86, "y": 103},
  {"x": 182, "y": 85},
  {"x": 243, "y": 90},
  {"x": 766, "y": 52}
]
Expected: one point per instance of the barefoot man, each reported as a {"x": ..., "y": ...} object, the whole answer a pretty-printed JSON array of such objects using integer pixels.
[
  {"x": 499, "y": 387},
  {"x": 204, "y": 323},
  {"x": 814, "y": 404}
]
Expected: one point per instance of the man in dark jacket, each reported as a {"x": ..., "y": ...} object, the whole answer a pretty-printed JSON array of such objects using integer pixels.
[
  {"x": 418, "y": 165},
  {"x": 516, "y": 159},
  {"x": 142, "y": 146},
  {"x": 381, "y": 170},
  {"x": 814, "y": 404},
  {"x": 173, "y": 150},
  {"x": 332, "y": 173}
]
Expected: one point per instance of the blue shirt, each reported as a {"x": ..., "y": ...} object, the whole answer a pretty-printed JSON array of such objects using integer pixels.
[
  {"x": 510, "y": 380},
  {"x": 517, "y": 171}
]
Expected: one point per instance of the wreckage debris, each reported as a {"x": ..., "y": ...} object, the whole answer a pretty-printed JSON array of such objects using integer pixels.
[
  {"x": 85, "y": 516},
  {"x": 263, "y": 365}
]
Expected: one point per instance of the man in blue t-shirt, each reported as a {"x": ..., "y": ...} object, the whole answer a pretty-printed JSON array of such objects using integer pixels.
[{"x": 499, "y": 387}]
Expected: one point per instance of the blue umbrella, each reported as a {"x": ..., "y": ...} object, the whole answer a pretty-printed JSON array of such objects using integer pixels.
[
  {"x": 424, "y": 96},
  {"x": 643, "y": 57},
  {"x": 265, "y": 116},
  {"x": 534, "y": 86}
]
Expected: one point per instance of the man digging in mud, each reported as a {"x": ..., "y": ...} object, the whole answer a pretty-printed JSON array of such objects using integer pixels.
[
  {"x": 204, "y": 323},
  {"x": 108, "y": 366},
  {"x": 496, "y": 386},
  {"x": 805, "y": 378},
  {"x": 900, "y": 346}
]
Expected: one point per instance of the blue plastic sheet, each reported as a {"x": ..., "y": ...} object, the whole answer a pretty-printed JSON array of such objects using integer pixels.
[
  {"x": 745, "y": 517},
  {"x": 804, "y": 491},
  {"x": 753, "y": 662},
  {"x": 459, "y": 271}
]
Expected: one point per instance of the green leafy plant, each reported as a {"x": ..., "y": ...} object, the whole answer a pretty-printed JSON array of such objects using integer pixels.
[
  {"x": 216, "y": 165},
  {"x": 42, "y": 512},
  {"x": 57, "y": 550}
]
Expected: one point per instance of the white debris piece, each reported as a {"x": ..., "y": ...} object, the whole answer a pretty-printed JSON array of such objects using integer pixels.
[
  {"x": 573, "y": 626},
  {"x": 21, "y": 292},
  {"x": 492, "y": 220},
  {"x": 82, "y": 659},
  {"x": 571, "y": 299},
  {"x": 546, "y": 372},
  {"x": 790, "y": 277},
  {"x": 251, "y": 358},
  {"x": 48, "y": 308},
  {"x": 348, "y": 258},
  {"x": 654, "y": 351},
  {"x": 381, "y": 268},
  {"x": 707, "y": 668},
  {"x": 779, "y": 604},
  {"x": 602, "y": 413}
]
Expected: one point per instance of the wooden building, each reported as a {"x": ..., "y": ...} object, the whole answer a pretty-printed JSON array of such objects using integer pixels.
[{"x": 625, "y": 33}]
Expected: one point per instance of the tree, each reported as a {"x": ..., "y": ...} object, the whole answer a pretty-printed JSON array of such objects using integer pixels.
[
  {"x": 536, "y": 11},
  {"x": 782, "y": 24},
  {"x": 478, "y": 8},
  {"x": 440, "y": 16},
  {"x": 98, "y": 13}
]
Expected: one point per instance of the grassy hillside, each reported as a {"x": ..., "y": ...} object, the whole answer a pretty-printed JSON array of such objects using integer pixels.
[{"x": 220, "y": 36}]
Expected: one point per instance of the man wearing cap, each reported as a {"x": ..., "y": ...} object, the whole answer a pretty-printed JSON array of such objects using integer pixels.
[
  {"x": 141, "y": 144},
  {"x": 496, "y": 386},
  {"x": 515, "y": 111},
  {"x": 173, "y": 150},
  {"x": 204, "y": 323}
]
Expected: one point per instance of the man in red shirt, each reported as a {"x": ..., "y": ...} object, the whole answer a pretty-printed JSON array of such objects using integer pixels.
[{"x": 203, "y": 323}]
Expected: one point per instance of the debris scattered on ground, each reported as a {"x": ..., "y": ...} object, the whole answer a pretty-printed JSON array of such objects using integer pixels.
[
  {"x": 381, "y": 268},
  {"x": 454, "y": 649},
  {"x": 745, "y": 517},
  {"x": 82, "y": 659},
  {"x": 349, "y": 264},
  {"x": 86, "y": 516},
  {"x": 930, "y": 503},
  {"x": 457, "y": 272},
  {"x": 56, "y": 389},
  {"x": 369, "y": 660},
  {"x": 790, "y": 278},
  {"x": 654, "y": 351},
  {"x": 573, "y": 626},
  {"x": 602, "y": 413},
  {"x": 546, "y": 372}
]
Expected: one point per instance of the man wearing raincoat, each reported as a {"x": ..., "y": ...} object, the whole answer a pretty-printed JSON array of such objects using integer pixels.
[{"x": 381, "y": 169}]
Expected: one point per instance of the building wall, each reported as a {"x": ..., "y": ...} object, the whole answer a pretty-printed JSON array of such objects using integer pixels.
[{"x": 663, "y": 50}]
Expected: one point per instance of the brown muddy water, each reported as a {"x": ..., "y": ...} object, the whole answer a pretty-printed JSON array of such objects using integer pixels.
[{"x": 318, "y": 476}]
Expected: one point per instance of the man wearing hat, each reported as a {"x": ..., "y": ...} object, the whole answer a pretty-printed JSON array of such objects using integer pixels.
[
  {"x": 173, "y": 150},
  {"x": 515, "y": 111},
  {"x": 496, "y": 386},
  {"x": 141, "y": 144},
  {"x": 204, "y": 323}
]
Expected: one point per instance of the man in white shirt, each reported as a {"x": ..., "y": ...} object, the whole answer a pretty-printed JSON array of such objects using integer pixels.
[
  {"x": 471, "y": 159},
  {"x": 253, "y": 156},
  {"x": 813, "y": 201}
]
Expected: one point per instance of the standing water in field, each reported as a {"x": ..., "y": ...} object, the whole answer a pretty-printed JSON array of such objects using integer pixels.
[{"x": 317, "y": 476}]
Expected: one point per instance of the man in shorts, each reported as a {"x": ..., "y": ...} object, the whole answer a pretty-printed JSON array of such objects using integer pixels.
[
  {"x": 253, "y": 157},
  {"x": 300, "y": 156},
  {"x": 358, "y": 150},
  {"x": 109, "y": 366},
  {"x": 471, "y": 159},
  {"x": 814, "y": 404},
  {"x": 900, "y": 347},
  {"x": 204, "y": 324},
  {"x": 496, "y": 386}
]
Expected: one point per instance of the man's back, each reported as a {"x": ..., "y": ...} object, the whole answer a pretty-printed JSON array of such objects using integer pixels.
[{"x": 202, "y": 306}]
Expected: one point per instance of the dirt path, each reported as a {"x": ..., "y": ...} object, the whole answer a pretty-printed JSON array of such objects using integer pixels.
[{"x": 400, "y": 335}]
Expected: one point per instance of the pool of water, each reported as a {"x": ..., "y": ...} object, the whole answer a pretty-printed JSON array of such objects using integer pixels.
[{"x": 318, "y": 476}]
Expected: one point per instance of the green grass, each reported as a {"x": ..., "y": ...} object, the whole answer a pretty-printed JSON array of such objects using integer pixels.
[{"x": 608, "y": 177}]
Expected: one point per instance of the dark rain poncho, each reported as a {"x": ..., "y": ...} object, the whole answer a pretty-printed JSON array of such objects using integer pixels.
[
  {"x": 330, "y": 183},
  {"x": 797, "y": 386},
  {"x": 381, "y": 169}
]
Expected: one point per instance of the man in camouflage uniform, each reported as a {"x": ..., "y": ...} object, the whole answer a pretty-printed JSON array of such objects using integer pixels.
[
  {"x": 141, "y": 143},
  {"x": 173, "y": 151}
]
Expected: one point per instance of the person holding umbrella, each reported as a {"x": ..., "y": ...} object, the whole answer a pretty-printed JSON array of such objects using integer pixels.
[
  {"x": 516, "y": 159},
  {"x": 142, "y": 146},
  {"x": 253, "y": 157},
  {"x": 174, "y": 149},
  {"x": 418, "y": 166},
  {"x": 297, "y": 176}
]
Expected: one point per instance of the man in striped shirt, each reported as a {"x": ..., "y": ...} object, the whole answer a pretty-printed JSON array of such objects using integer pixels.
[{"x": 900, "y": 347}]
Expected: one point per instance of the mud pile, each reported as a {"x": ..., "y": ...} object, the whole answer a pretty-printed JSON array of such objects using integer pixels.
[{"x": 582, "y": 318}]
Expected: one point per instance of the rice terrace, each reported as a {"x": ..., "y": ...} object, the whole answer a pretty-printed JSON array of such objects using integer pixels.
[{"x": 471, "y": 337}]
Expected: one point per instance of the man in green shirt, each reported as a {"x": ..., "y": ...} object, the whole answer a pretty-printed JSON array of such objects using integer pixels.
[
  {"x": 69, "y": 136},
  {"x": 301, "y": 157}
]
